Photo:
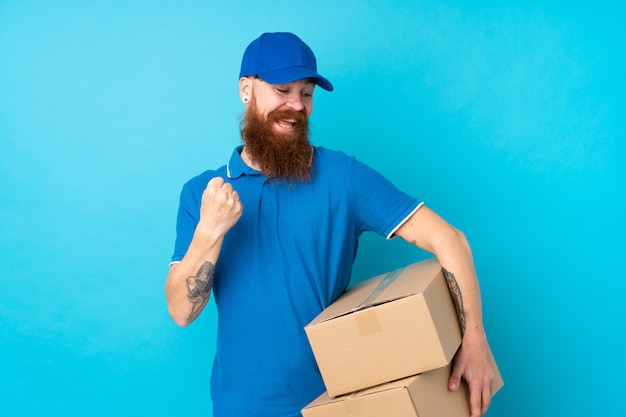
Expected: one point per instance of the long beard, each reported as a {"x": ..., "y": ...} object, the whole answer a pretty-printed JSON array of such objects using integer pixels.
[{"x": 280, "y": 156}]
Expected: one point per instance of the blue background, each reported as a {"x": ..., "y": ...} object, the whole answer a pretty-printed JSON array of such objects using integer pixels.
[{"x": 507, "y": 118}]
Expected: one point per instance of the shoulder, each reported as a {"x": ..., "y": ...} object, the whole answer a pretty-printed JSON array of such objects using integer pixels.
[
  {"x": 333, "y": 160},
  {"x": 339, "y": 162},
  {"x": 198, "y": 183},
  {"x": 330, "y": 154}
]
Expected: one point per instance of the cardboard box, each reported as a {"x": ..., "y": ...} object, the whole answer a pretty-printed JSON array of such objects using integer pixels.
[
  {"x": 424, "y": 395},
  {"x": 386, "y": 328}
]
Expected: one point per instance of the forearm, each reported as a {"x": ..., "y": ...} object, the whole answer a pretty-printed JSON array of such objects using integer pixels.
[
  {"x": 430, "y": 232},
  {"x": 460, "y": 275},
  {"x": 188, "y": 283}
]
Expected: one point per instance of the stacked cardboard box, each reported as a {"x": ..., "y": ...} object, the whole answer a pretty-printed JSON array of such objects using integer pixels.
[{"x": 385, "y": 347}]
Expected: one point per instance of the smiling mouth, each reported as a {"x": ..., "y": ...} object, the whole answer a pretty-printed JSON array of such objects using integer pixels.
[{"x": 287, "y": 124}]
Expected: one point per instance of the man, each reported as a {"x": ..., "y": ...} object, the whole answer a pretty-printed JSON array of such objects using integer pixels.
[{"x": 274, "y": 234}]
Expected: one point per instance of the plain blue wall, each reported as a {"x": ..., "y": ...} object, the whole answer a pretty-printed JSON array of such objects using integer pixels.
[{"x": 506, "y": 119}]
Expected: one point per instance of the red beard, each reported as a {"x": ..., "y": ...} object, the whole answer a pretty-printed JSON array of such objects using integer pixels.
[{"x": 280, "y": 156}]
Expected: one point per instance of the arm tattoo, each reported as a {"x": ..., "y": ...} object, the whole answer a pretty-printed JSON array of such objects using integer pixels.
[
  {"x": 457, "y": 298},
  {"x": 199, "y": 288}
]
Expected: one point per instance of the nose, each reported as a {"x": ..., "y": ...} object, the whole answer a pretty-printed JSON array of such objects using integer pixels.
[{"x": 295, "y": 102}]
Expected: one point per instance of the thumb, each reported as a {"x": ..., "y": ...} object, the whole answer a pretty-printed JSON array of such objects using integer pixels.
[{"x": 455, "y": 379}]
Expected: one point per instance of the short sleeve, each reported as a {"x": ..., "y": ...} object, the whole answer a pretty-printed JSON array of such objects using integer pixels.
[
  {"x": 187, "y": 218},
  {"x": 379, "y": 205}
]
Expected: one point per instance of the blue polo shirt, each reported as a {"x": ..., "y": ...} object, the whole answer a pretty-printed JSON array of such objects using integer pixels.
[{"x": 288, "y": 257}]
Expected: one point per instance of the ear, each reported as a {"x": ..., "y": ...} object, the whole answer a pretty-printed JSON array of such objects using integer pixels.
[{"x": 245, "y": 89}]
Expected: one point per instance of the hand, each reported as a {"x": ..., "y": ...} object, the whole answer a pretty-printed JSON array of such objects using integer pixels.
[
  {"x": 220, "y": 208},
  {"x": 472, "y": 364}
]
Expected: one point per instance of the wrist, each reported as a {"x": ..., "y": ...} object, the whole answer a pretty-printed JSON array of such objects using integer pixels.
[
  {"x": 205, "y": 245},
  {"x": 207, "y": 236},
  {"x": 474, "y": 332}
]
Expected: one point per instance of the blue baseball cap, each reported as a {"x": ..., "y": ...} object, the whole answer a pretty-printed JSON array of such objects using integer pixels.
[{"x": 280, "y": 58}]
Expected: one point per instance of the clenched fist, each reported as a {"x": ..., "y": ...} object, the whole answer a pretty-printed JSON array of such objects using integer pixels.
[{"x": 220, "y": 208}]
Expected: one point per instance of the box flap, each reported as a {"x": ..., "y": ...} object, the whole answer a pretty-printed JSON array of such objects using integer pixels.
[
  {"x": 402, "y": 383},
  {"x": 388, "y": 399},
  {"x": 403, "y": 282}
]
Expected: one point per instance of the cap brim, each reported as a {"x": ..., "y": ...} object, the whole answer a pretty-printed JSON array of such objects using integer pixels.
[{"x": 287, "y": 75}]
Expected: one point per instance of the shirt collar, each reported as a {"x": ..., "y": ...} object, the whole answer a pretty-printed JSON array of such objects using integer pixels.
[{"x": 236, "y": 167}]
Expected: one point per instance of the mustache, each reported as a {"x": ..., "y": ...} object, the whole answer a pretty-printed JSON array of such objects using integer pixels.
[{"x": 297, "y": 116}]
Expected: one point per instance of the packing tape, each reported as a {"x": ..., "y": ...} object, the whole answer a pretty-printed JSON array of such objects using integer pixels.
[
  {"x": 367, "y": 322},
  {"x": 382, "y": 285}
]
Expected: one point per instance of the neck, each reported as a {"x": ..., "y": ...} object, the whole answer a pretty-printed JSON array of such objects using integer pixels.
[{"x": 245, "y": 156}]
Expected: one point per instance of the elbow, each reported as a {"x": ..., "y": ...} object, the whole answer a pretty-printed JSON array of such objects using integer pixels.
[
  {"x": 179, "y": 318},
  {"x": 175, "y": 301},
  {"x": 458, "y": 235},
  {"x": 460, "y": 242},
  {"x": 451, "y": 239},
  {"x": 182, "y": 323},
  {"x": 179, "y": 315}
]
